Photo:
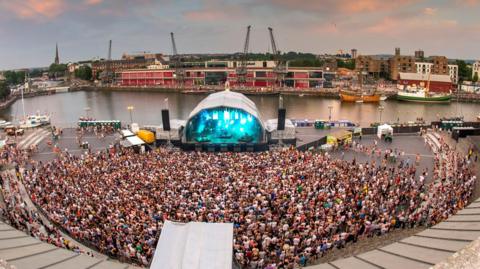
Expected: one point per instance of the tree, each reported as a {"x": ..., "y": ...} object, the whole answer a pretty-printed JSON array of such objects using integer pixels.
[
  {"x": 349, "y": 64},
  {"x": 84, "y": 72},
  {"x": 4, "y": 90},
  {"x": 57, "y": 69},
  {"x": 13, "y": 78},
  {"x": 475, "y": 77},
  {"x": 464, "y": 71}
]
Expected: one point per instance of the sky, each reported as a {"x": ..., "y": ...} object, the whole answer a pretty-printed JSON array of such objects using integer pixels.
[{"x": 29, "y": 29}]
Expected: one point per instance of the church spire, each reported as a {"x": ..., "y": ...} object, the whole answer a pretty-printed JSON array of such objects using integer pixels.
[{"x": 57, "y": 59}]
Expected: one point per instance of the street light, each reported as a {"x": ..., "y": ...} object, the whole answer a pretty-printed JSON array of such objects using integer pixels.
[
  {"x": 380, "y": 109},
  {"x": 130, "y": 109},
  {"x": 330, "y": 113}
]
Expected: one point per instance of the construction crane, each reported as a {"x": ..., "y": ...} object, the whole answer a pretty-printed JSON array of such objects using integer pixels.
[
  {"x": 242, "y": 69},
  {"x": 177, "y": 63},
  {"x": 107, "y": 75},
  {"x": 280, "y": 66}
]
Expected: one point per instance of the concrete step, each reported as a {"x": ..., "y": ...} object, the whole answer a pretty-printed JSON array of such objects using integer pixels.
[
  {"x": 466, "y": 236},
  {"x": 444, "y": 244},
  {"x": 469, "y": 211},
  {"x": 44, "y": 259},
  {"x": 77, "y": 262},
  {"x": 471, "y": 218},
  {"x": 11, "y": 234},
  {"x": 321, "y": 266},
  {"x": 110, "y": 265},
  {"x": 18, "y": 253},
  {"x": 391, "y": 261},
  {"x": 352, "y": 262},
  {"x": 421, "y": 254},
  {"x": 466, "y": 226},
  {"x": 18, "y": 242}
]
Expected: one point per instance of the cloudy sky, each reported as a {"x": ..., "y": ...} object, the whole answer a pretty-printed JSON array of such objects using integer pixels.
[{"x": 82, "y": 28}]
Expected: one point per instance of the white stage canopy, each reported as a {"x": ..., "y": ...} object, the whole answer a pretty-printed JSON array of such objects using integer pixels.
[{"x": 194, "y": 245}]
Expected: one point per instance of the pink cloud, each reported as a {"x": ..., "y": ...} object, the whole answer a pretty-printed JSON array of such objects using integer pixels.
[
  {"x": 343, "y": 6},
  {"x": 35, "y": 9},
  {"x": 93, "y": 2},
  {"x": 399, "y": 27},
  {"x": 205, "y": 15},
  {"x": 430, "y": 11},
  {"x": 468, "y": 2}
]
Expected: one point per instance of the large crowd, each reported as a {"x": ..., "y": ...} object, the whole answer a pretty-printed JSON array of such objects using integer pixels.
[{"x": 288, "y": 207}]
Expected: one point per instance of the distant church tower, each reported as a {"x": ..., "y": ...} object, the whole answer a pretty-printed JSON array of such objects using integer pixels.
[{"x": 57, "y": 60}]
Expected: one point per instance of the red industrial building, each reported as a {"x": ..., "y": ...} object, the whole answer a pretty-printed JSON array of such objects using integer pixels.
[
  {"x": 259, "y": 74},
  {"x": 438, "y": 83}
]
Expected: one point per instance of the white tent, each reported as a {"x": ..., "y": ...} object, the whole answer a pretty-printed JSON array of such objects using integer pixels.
[
  {"x": 288, "y": 133},
  {"x": 194, "y": 245},
  {"x": 132, "y": 141},
  {"x": 383, "y": 130}
]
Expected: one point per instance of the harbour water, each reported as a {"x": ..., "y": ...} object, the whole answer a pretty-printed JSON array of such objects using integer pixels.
[{"x": 66, "y": 108}]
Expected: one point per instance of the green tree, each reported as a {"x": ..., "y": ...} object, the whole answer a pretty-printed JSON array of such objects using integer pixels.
[
  {"x": 57, "y": 69},
  {"x": 464, "y": 71},
  {"x": 84, "y": 72},
  {"x": 13, "y": 78},
  {"x": 349, "y": 64},
  {"x": 475, "y": 77},
  {"x": 4, "y": 90}
]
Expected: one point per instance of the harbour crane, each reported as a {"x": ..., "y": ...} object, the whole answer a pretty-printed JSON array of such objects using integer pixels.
[
  {"x": 280, "y": 69},
  {"x": 107, "y": 75},
  {"x": 242, "y": 69},
  {"x": 177, "y": 63}
]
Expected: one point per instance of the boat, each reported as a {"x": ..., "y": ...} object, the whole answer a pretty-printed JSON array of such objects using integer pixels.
[
  {"x": 423, "y": 95},
  {"x": 35, "y": 121},
  {"x": 4, "y": 124},
  {"x": 359, "y": 96}
]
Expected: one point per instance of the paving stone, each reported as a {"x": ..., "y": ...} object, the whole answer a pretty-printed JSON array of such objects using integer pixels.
[
  {"x": 18, "y": 242},
  {"x": 474, "y": 226},
  {"x": 390, "y": 261},
  {"x": 450, "y": 234},
  {"x": 445, "y": 244},
  {"x": 352, "y": 262},
  {"x": 472, "y": 218},
  {"x": 78, "y": 262},
  {"x": 15, "y": 253},
  {"x": 44, "y": 259},
  {"x": 418, "y": 253}
]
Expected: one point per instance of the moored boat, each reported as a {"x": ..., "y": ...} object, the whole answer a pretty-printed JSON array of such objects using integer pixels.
[
  {"x": 423, "y": 95},
  {"x": 352, "y": 96}
]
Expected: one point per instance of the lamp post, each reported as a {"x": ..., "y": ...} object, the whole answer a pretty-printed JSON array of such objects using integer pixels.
[
  {"x": 330, "y": 113},
  {"x": 380, "y": 109},
  {"x": 130, "y": 109}
]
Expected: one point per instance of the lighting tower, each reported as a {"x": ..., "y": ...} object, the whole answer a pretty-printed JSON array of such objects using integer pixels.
[
  {"x": 177, "y": 63},
  {"x": 242, "y": 69},
  {"x": 280, "y": 65}
]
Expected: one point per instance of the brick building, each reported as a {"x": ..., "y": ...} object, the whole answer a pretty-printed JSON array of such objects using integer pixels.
[{"x": 259, "y": 74}]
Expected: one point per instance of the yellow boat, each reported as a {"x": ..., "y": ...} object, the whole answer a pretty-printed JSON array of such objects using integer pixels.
[{"x": 353, "y": 96}]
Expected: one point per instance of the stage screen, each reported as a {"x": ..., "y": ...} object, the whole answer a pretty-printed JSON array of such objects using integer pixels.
[{"x": 224, "y": 125}]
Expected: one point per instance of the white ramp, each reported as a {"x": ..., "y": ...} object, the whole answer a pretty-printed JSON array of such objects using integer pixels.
[{"x": 194, "y": 245}]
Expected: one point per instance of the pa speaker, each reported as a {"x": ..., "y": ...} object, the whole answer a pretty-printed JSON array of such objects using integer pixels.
[
  {"x": 166, "y": 120},
  {"x": 281, "y": 119}
]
